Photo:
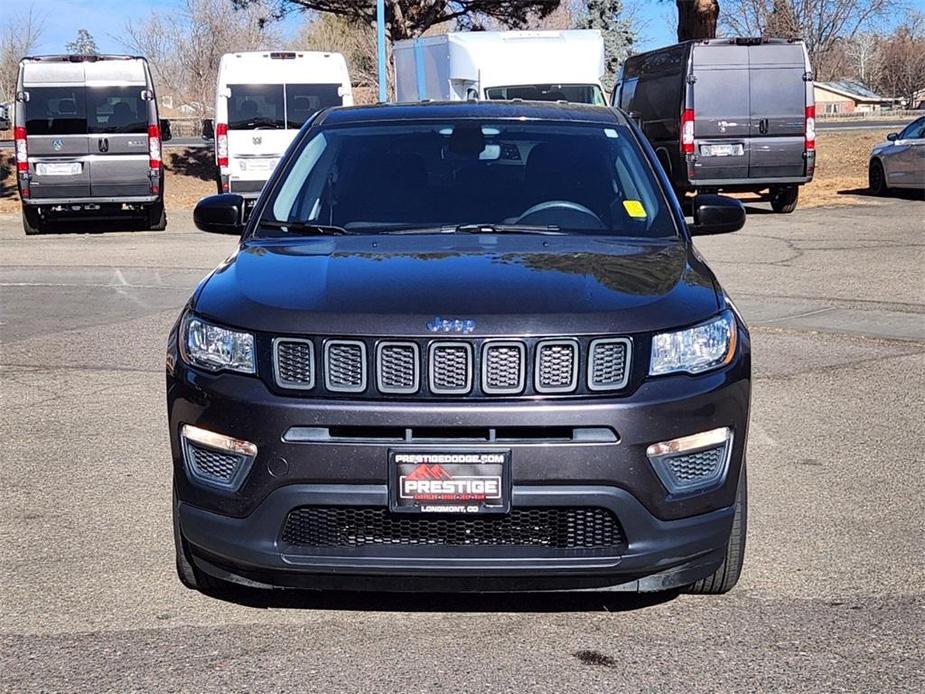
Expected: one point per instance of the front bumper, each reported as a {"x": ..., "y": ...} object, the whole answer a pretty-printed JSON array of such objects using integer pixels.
[{"x": 670, "y": 539}]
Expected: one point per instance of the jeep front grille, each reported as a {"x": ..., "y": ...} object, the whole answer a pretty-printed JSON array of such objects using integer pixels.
[
  {"x": 556, "y": 366},
  {"x": 576, "y": 528},
  {"x": 607, "y": 363},
  {"x": 294, "y": 363},
  {"x": 450, "y": 368},
  {"x": 440, "y": 367},
  {"x": 398, "y": 367},
  {"x": 345, "y": 366}
]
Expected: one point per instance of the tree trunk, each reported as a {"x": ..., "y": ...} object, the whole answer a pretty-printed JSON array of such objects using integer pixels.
[{"x": 697, "y": 19}]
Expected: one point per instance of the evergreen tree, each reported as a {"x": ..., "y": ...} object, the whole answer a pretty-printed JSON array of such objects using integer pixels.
[
  {"x": 617, "y": 31},
  {"x": 82, "y": 45}
]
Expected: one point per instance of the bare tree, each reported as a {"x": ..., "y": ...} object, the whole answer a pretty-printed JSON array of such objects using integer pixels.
[
  {"x": 355, "y": 40},
  {"x": 862, "y": 54},
  {"x": 900, "y": 68},
  {"x": 822, "y": 24},
  {"x": 184, "y": 45},
  {"x": 20, "y": 34},
  {"x": 410, "y": 18}
]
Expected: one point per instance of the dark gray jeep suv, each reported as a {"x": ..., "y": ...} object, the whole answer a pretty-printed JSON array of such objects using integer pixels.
[{"x": 462, "y": 347}]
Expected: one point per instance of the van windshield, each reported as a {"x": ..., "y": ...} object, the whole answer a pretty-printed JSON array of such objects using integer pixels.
[
  {"x": 575, "y": 93},
  {"x": 277, "y": 106},
  {"x": 397, "y": 178},
  {"x": 82, "y": 110}
]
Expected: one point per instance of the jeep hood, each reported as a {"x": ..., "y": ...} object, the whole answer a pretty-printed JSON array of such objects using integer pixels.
[{"x": 508, "y": 284}]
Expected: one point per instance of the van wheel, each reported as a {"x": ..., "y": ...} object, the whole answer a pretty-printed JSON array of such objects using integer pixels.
[
  {"x": 727, "y": 575},
  {"x": 157, "y": 217},
  {"x": 876, "y": 178},
  {"x": 784, "y": 198},
  {"x": 32, "y": 222}
]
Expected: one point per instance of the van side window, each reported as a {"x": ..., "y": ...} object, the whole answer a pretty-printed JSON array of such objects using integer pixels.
[
  {"x": 255, "y": 106},
  {"x": 116, "y": 110},
  {"x": 56, "y": 111},
  {"x": 304, "y": 100}
]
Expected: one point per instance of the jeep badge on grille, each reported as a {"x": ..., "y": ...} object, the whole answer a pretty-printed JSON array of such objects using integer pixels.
[{"x": 449, "y": 325}]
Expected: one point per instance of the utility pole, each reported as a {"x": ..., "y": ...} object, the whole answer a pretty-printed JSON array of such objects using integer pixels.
[{"x": 380, "y": 41}]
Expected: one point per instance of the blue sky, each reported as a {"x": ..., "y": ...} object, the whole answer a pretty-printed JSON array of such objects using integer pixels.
[{"x": 105, "y": 20}]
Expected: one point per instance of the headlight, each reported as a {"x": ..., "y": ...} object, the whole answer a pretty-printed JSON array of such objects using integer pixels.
[
  {"x": 212, "y": 347},
  {"x": 696, "y": 349}
]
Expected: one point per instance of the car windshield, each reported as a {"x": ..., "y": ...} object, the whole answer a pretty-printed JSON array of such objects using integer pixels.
[
  {"x": 576, "y": 93},
  {"x": 468, "y": 175}
]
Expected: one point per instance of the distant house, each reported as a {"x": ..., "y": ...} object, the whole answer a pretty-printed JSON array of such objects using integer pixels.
[{"x": 845, "y": 97}]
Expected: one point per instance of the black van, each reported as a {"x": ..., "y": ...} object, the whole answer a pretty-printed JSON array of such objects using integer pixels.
[
  {"x": 727, "y": 114},
  {"x": 88, "y": 140}
]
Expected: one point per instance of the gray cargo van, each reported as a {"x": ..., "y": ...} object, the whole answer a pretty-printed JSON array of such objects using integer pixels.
[
  {"x": 88, "y": 140},
  {"x": 727, "y": 114}
]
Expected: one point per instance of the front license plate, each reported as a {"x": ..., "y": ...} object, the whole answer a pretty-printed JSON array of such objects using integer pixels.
[
  {"x": 722, "y": 150},
  {"x": 450, "y": 481},
  {"x": 71, "y": 168}
]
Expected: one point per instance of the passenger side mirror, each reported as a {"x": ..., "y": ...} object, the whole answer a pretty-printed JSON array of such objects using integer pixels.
[
  {"x": 165, "y": 130},
  {"x": 716, "y": 214},
  {"x": 208, "y": 129},
  {"x": 220, "y": 214},
  {"x": 892, "y": 137}
]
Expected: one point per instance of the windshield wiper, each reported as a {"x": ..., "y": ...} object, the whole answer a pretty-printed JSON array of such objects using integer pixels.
[
  {"x": 481, "y": 229},
  {"x": 305, "y": 228}
]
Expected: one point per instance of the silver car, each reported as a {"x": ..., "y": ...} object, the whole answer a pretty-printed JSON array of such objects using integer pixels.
[{"x": 899, "y": 162}]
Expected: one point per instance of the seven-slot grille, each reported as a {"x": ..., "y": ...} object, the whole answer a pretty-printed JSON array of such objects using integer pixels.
[{"x": 491, "y": 367}]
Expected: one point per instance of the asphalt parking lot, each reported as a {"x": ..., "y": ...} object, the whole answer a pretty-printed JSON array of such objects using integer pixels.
[{"x": 833, "y": 592}]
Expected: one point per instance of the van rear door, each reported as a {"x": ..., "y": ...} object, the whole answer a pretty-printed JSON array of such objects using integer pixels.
[
  {"x": 777, "y": 97},
  {"x": 56, "y": 138},
  {"x": 118, "y": 119},
  {"x": 721, "y": 111}
]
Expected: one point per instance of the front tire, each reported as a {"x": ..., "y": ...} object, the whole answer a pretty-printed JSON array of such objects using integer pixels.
[
  {"x": 189, "y": 575},
  {"x": 876, "y": 178},
  {"x": 727, "y": 575},
  {"x": 784, "y": 198},
  {"x": 32, "y": 222}
]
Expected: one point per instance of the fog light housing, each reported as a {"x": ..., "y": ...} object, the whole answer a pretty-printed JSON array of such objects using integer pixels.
[
  {"x": 692, "y": 463},
  {"x": 215, "y": 460}
]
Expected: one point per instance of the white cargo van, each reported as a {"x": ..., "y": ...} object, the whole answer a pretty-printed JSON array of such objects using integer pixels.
[
  {"x": 261, "y": 101},
  {"x": 529, "y": 65}
]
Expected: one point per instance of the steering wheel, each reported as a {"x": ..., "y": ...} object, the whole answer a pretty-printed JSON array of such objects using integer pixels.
[{"x": 553, "y": 212}]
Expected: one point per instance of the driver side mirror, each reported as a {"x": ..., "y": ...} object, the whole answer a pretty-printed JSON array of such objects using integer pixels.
[
  {"x": 892, "y": 137},
  {"x": 166, "y": 135},
  {"x": 208, "y": 129},
  {"x": 716, "y": 214},
  {"x": 220, "y": 214}
]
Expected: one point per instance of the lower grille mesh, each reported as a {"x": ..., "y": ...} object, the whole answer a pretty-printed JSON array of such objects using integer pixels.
[
  {"x": 216, "y": 465},
  {"x": 693, "y": 467},
  {"x": 359, "y": 526}
]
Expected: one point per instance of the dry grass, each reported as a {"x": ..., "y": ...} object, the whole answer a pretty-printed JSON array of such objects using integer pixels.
[{"x": 841, "y": 172}]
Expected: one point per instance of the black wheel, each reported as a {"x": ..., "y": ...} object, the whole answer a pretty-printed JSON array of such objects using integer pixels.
[
  {"x": 876, "y": 178},
  {"x": 157, "y": 216},
  {"x": 189, "y": 575},
  {"x": 32, "y": 222},
  {"x": 784, "y": 198},
  {"x": 727, "y": 575}
]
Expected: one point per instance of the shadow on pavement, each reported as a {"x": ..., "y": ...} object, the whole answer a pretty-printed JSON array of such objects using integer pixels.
[
  {"x": 197, "y": 163},
  {"x": 542, "y": 602},
  {"x": 903, "y": 193}
]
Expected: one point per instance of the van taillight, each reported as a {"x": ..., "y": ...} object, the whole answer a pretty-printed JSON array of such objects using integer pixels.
[
  {"x": 810, "y": 128},
  {"x": 154, "y": 147},
  {"x": 687, "y": 131},
  {"x": 221, "y": 144},
  {"x": 22, "y": 152}
]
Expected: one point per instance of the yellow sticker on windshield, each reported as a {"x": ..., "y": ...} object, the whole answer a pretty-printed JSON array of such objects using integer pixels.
[{"x": 634, "y": 209}]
